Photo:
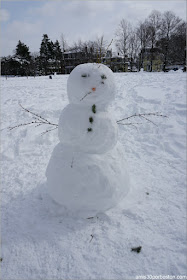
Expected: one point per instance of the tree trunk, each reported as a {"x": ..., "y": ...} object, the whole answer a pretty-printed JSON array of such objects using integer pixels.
[
  {"x": 151, "y": 69},
  {"x": 165, "y": 58}
]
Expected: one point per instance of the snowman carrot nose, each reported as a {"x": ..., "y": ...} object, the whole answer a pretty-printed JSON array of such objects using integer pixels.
[{"x": 93, "y": 88}]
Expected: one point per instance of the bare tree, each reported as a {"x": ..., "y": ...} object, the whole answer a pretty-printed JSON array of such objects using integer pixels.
[
  {"x": 92, "y": 49},
  {"x": 170, "y": 23},
  {"x": 133, "y": 47},
  {"x": 122, "y": 38},
  {"x": 77, "y": 46},
  {"x": 143, "y": 36},
  {"x": 101, "y": 44},
  {"x": 178, "y": 44},
  {"x": 154, "y": 25},
  {"x": 64, "y": 44}
]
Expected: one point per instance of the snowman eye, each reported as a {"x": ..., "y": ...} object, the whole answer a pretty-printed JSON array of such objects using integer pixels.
[
  {"x": 85, "y": 75},
  {"x": 103, "y": 77}
]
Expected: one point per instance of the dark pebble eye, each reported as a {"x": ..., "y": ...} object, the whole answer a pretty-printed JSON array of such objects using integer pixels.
[
  {"x": 85, "y": 75},
  {"x": 103, "y": 77}
]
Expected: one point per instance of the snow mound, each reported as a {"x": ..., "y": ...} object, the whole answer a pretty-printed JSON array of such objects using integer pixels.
[{"x": 87, "y": 184}]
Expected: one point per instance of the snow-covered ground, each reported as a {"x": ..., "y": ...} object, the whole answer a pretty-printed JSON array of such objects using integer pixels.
[{"x": 38, "y": 242}]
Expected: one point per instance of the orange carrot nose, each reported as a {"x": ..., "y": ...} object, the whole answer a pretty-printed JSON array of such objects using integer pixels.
[{"x": 93, "y": 88}]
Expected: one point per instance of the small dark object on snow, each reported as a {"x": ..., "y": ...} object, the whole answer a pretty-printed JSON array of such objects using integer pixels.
[
  {"x": 72, "y": 162},
  {"x": 89, "y": 218},
  {"x": 91, "y": 237},
  {"x": 1, "y": 259},
  {"x": 50, "y": 77},
  {"x": 89, "y": 129},
  {"x": 90, "y": 119},
  {"x": 103, "y": 77},
  {"x": 94, "y": 108},
  {"x": 136, "y": 249},
  {"x": 147, "y": 193}
]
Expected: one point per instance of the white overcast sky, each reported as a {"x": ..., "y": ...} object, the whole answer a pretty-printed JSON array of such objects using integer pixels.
[{"x": 28, "y": 20}]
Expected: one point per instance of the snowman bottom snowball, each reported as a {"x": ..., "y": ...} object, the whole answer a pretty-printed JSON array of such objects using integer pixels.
[{"x": 87, "y": 184}]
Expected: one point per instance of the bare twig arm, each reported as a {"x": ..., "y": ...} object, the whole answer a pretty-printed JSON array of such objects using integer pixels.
[
  {"x": 39, "y": 120},
  {"x": 38, "y": 117},
  {"x": 22, "y": 124},
  {"x": 143, "y": 115}
]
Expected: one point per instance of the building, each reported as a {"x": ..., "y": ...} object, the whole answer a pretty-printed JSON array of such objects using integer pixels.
[
  {"x": 71, "y": 59},
  {"x": 151, "y": 59},
  {"x": 115, "y": 62}
]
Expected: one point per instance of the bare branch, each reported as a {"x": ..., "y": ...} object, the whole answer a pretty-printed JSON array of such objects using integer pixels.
[
  {"x": 49, "y": 130},
  {"x": 38, "y": 117},
  {"x": 157, "y": 114},
  {"x": 148, "y": 120},
  {"x": 129, "y": 123},
  {"x": 132, "y": 124},
  {"x": 28, "y": 111},
  {"x": 22, "y": 124},
  {"x": 91, "y": 237},
  {"x": 38, "y": 121},
  {"x": 109, "y": 45},
  {"x": 85, "y": 96}
]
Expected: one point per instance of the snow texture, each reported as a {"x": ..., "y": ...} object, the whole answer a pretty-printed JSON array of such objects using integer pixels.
[
  {"x": 83, "y": 182},
  {"x": 38, "y": 242}
]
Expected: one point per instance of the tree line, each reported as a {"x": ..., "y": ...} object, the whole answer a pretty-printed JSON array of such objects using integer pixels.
[{"x": 162, "y": 33}]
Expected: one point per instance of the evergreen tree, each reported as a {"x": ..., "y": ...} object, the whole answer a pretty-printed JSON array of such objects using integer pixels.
[
  {"x": 51, "y": 50},
  {"x": 50, "y": 56},
  {"x": 45, "y": 47},
  {"x": 22, "y": 52},
  {"x": 34, "y": 65},
  {"x": 46, "y": 53},
  {"x": 57, "y": 57},
  {"x": 10, "y": 66},
  {"x": 57, "y": 50},
  {"x": 23, "y": 58}
]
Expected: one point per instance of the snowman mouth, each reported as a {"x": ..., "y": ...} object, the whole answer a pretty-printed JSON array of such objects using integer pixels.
[{"x": 85, "y": 95}]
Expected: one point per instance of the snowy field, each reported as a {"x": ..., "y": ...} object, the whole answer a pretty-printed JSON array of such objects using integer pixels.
[{"x": 38, "y": 242}]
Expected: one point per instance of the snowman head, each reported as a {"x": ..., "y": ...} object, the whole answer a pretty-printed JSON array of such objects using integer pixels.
[{"x": 91, "y": 83}]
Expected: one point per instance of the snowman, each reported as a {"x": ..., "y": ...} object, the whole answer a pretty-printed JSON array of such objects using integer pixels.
[{"x": 87, "y": 172}]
